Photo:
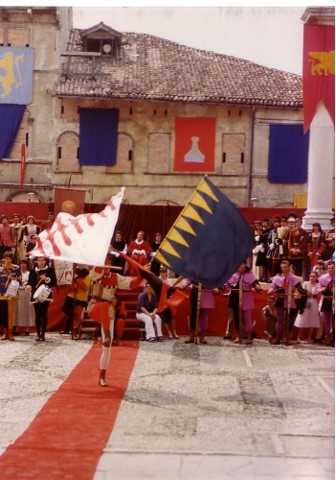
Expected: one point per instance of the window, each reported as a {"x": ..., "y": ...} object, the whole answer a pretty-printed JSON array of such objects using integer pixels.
[
  {"x": 158, "y": 152},
  {"x": 93, "y": 45},
  {"x": 233, "y": 153},
  {"x": 67, "y": 152}
]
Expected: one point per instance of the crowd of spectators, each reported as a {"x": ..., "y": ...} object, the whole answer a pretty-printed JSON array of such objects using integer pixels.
[{"x": 277, "y": 240}]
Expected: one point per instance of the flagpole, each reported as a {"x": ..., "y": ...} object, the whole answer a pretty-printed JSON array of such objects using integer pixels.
[
  {"x": 289, "y": 301},
  {"x": 74, "y": 289},
  {"x": 240, "y": 334},
  {"x": 199, "y": 293}
]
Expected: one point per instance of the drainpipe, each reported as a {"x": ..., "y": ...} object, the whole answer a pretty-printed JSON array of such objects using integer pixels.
[{"x": 249, "y": 183}]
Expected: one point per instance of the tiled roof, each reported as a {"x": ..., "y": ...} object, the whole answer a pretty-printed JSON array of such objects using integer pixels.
[{"x": 152, "y": 68}]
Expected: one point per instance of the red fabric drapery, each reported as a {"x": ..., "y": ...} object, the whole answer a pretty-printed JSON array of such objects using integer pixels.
[{"x": 318, "y": 71}]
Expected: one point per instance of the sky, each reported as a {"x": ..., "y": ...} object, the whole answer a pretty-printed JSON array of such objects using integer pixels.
[{"x": 268, "y": 35}]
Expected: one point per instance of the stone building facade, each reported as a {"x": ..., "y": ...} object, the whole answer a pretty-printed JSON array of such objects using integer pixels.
[
  {"x": 151, "y": 82},
  {"x": 45, "y": 29}
]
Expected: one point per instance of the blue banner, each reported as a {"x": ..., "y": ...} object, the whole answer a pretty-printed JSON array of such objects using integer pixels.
[
  {"x": 10, "y": 120},
  {"x": 288, "y": 154},
  {"x": 16, "y": 75},
  {"x": 98, "y": 136}
]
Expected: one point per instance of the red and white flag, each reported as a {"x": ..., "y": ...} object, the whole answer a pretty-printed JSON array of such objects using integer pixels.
[{"x": 83, "y": 239}]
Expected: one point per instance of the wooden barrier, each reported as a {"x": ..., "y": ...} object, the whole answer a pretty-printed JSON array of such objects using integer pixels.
[{"x": 217, "y": 317}]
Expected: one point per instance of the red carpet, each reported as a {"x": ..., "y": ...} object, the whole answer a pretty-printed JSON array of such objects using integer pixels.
[{"x": 66, "y": 439}]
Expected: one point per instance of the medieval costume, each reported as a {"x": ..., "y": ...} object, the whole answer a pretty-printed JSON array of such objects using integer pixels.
[
  {"x": 139, "y": 250},
  {"x": 118, "y": 245},
  {"x": 315, "y": 246},
  {"x": 41, "y": 277},
  {"x": 283, "y": 285},
  {"x": 104, "y": 283},
  {"x": 326, "y": 286},
  {"x": 244, "y": 305},
  {"x": 10, "y": 279},
  {"x": 76, "y": 301},
  {"x": 297, "y": 249}
]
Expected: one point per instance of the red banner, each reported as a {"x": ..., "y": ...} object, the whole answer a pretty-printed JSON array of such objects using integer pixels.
[
  {"x": 195, "y": 144},
  {"x": 318, "y": 70},
  {"x": 23, "y": 164}
]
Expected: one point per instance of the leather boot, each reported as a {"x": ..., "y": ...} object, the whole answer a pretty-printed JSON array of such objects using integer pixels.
[
  {"x": 107, "y": 339},
  {"x": 10, "y": 335},
  {"x": 101, "y": 380},
  {"x": 75, "y": 334},
  {"x": 5, "y": 334},
  {"x": 201, "y": 337},
  {"x": 191, "y": 338}
]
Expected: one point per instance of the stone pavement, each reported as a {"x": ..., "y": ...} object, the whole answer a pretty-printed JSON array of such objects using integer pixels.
[{"x": 216, "y": 411}]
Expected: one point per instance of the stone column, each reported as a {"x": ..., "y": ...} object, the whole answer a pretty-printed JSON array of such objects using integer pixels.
[{"x": 320, "y": 170}]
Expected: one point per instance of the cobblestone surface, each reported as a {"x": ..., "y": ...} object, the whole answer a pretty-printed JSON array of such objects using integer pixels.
[
  {"x": 211, "y": 411},
  {"x": 30, "y": 372},
  {"x": 229, "y": 399}
]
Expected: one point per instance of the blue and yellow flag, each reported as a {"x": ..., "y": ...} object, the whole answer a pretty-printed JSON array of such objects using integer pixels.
[
  {"x": 209, "y": 239},
  {"x": 16, "y": 75}
]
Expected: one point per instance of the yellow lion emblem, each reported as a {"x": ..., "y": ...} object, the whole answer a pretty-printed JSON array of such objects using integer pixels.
[
  {"x": 8, "y": 64},
  {"x": 322, "y": 63}
]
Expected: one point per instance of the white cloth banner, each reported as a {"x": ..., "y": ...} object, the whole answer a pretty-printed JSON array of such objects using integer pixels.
[{"x": 83, "y": 239}]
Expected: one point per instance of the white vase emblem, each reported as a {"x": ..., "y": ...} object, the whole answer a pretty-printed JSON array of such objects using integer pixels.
[{"x": 194, "y": 155}]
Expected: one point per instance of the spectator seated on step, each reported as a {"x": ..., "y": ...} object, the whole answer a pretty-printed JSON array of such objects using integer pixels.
[{"x": 147, "y": 313}]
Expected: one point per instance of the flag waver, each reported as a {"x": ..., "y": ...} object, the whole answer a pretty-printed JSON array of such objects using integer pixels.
[
  {"x": 209, "y": 239},
  {"x": 83, "y": 239}
]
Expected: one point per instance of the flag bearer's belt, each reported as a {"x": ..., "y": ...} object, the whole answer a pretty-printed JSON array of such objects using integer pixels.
[{"x": 100, "y": 299}]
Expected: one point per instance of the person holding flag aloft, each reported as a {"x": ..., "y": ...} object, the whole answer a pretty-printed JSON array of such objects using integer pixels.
[
  {"x": 100, "y": 308},
  {"x": 202, "y": 299}
]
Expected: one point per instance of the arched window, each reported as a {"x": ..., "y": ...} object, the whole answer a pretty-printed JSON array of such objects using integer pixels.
[
  {"x": 233, "y": 153},
  {"x": 158, "y": 152},
  {"x": 125, "y": 155},
  {"x": 68, "y": 152}
]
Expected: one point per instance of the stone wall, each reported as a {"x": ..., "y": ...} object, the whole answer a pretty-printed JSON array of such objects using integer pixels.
[{"x": 146, "y": 142}]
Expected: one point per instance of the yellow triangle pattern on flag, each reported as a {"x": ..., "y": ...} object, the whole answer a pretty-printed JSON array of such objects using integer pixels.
[
  {"x": 160, "y": 258},
  {"x": 177, "y": 237},
  {"x": 208, "y": 240},
  {"x": 190, "y": 212},
  {"x": 183, "y": 225},
  {"x": 198, "y": 200},
  {"x": 205, "y": 188}
]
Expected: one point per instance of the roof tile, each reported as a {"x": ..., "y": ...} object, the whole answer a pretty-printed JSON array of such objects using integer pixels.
[{"x": 153, "y": 68}]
